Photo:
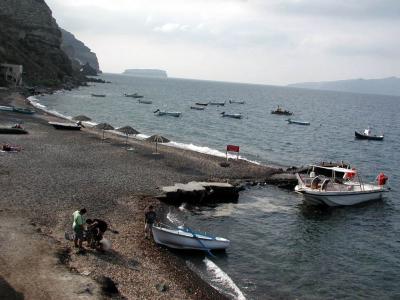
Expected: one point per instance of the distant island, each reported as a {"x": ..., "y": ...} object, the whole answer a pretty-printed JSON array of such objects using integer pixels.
[
  {"x": 383, "y": 86},
  {"x": 146, "y": 73}
]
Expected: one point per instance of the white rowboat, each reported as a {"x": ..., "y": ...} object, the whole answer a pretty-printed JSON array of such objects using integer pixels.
[{"x": 185, "y": 238}]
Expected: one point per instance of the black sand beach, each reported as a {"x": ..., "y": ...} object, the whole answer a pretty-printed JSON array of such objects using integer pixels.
[{"x": 58, "y": 172}]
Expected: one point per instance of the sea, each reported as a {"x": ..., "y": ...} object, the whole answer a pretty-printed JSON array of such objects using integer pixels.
[{"x": 280, "y": 247}]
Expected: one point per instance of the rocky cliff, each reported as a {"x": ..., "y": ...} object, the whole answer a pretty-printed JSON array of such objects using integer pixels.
[
  {"x": 30, "y": 36},
  {"x": 78, "y": 52}
]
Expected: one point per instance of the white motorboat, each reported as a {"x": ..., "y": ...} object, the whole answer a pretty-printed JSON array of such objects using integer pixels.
[
  {"x": 167, "y": 113},
  {"x": 336, "y": 186},
  {"x": 184, "y": 238},
  {"x": 290, "y": 121},
  {"x": 233, "y": 116}
]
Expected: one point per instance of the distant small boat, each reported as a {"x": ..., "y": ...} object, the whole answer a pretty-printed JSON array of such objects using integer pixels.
[
  {"x": 145, "y": 101},
  {"x": 233, "y": 116},
  {"x": 202, "y": 103},
  {"x": 236, "y": 102},
  {"x": 362, "y": 136},
  {"x": 135, "y": 95},
  {"x": 218, "y": 103},
  {"x": 185, "y": 238},
  {"x": 65, "y": 126},
  {"x": 280, "y": 111},
  {"x": 12, "y": 130},
  {"x": 23, "y": 110},
  {"x": 167, "y": 113},
  {"x": 98, "y": 95},
  {"x": 297, "y": 122},
  {"x": 197, "y": 107}
]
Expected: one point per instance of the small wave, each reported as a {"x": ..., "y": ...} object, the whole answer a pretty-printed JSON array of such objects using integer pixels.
[
  {"x": 222, "y": 278},
  {"x": 173, "y": 219},
  {"x": 183, "y": 206}
]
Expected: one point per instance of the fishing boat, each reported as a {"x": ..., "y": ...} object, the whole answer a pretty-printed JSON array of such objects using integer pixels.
[
  {"x": 145, "y": 101},
  {"x": 65, "y": 126},
  {"x": 98, "y": 95},
  {"x": 23, "y": 110},
  {"x": 280, "y": 111},
  {"x": 290, "y": 121},
  {"x": 202, "y": 103},
  {"x": 218, "y": 103},
  {"x": 167, "y": 113},
  {"x": 134, "y": 95},
  {"x": 197, "y": 107},
  {"x": 185, "y": 238},
  {"x": 364, "y": 136},
  {"x": 236, "y": 102},
  {"x": 233, "y": 116},
  {"x": 12, "y": 130},
  {"x": 336, "y": 186}
]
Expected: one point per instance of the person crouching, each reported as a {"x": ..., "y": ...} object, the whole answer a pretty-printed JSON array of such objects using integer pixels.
[{"x": 95, "y": 232}]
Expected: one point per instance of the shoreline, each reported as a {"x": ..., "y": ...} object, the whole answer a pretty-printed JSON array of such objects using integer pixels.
[{"x": 63, "y": 171}]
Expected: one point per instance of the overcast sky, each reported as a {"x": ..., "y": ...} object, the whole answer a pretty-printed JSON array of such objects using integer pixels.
[{"x": 254, "y": 41}]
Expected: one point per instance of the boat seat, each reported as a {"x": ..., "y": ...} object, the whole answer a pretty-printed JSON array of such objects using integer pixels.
[{"x": 325, "y": 184}]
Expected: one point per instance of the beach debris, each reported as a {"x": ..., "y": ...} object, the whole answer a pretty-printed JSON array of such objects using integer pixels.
[
  {"x": 108, "y": 286},
  {"x": 156, "y": 138},
  {"x": 200, "y": 193}
]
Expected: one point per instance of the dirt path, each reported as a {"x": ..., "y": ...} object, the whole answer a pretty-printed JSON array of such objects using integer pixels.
[{"x": 30, "y": 268}]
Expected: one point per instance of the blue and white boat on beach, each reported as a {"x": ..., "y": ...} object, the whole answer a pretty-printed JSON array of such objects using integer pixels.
[{"x": 185, "y": 238}]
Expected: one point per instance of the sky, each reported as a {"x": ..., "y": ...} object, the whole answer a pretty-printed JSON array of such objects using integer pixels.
[{"x": 252, "y": 41}]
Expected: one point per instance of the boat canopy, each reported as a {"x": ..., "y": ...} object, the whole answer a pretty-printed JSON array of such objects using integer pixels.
[{"x": 335, "y": 169}]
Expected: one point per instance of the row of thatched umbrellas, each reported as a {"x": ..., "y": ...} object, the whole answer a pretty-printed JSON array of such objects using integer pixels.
[{"x": 127, "y": 130}]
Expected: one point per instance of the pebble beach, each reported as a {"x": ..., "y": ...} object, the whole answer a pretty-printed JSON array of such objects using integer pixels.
[{"x": 58, "y": 172}]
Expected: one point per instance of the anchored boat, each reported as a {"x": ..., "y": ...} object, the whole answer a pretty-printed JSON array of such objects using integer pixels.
[
  {"x": 202, "y": 103},
  {"x": 236, "y": 102},
  {"x": 233, "y": 116},
  {"x": 145, "y": 101},
  {"x": 98, "y": 95},
  {"x": 218, "y": 103},
  {"x": 364, "y": 136},
  {"x": 167, "y": 113},
  {"x": 185, "y": 238},
  {"x": 197, "y": 107},
  {"x": 134, "y": 95},
  {"x": 336, "y": 186},
  {"x": 280, "y": 111},
  {"x": 290, "y": 121}
]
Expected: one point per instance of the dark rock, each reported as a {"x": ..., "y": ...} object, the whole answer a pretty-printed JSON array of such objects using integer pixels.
[
  {"x": 162, "y": 287},
  {"x": 88, "y": 70},
  {"x": 108, "y": 286}
]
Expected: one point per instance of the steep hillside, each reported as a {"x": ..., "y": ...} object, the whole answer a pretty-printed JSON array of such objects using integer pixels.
[
  {"x": 77, "y": 51},
  {"x": 30, "y": 36}
]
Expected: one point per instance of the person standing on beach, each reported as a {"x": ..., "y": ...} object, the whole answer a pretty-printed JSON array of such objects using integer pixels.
[
  {"x": 149, "y": 219},
  {"x": 77, "y": 226}
]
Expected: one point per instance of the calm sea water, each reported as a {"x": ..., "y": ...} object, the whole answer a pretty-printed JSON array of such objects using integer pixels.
[{"x": 280, "y": 247}]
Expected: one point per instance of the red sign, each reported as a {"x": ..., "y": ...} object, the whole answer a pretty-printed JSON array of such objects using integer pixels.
[{"x": 232, "y": 148}]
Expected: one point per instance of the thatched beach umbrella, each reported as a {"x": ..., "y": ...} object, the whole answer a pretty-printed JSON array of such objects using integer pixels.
[
  {"x": 157, "y": 139},
  {"x": 128, "y": 130},
  {"x": 81, "y": 118},
  {"x": 104, "y": 126}
]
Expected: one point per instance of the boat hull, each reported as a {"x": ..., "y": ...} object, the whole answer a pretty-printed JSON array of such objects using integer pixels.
[
  {"x": 179, "y": 239},
  {"x": 65, "y": 126},
  {"x": 197, "y": 108},
  {"x": 171, "y": 114},
  {"x": 202, "y": 104},
  {"x": 333, "y": 199},
  {"x": 232, "y": 116},
  {"x": 13, "y": 131},
  {"x": 298, "y": 122},
  {"x": 145, "y": 102},
  {"x": 361, "y": 136},
  {"x": 283, "y": 113}
]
